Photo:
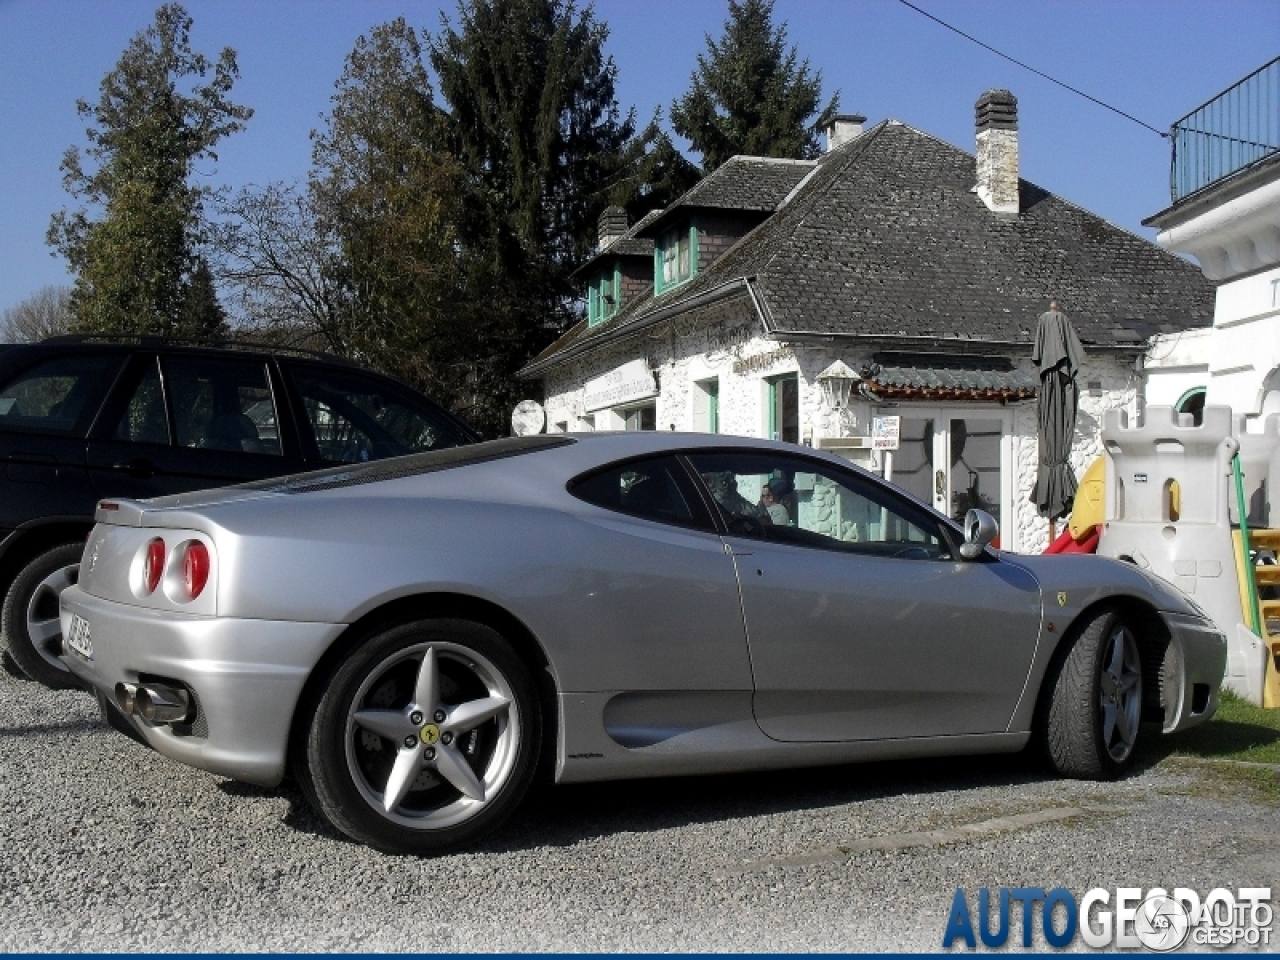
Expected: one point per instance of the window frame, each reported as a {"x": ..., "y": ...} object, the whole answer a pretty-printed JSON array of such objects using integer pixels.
[
  {"x": 670, "y": 240},
  {"x": 603, "y": 285},
  {"x": 704, "y": 520},
  {"x": 850, "y": 478},
  {"x": 773, "y": 398}
]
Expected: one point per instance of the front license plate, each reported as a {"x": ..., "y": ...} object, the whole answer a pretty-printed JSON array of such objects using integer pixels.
[{"x": 79, "y": 638}]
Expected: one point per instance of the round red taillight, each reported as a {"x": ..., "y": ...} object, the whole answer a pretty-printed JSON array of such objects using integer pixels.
[
  {"x": 195, "y": 568},
  {"x": 153, "y": 566}
]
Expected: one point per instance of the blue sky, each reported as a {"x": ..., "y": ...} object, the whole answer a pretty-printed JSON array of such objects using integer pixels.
[{"x": 1156, "y": 60}]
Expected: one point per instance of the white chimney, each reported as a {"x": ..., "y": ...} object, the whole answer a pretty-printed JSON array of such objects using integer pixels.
[
  {"x": 843, "y": 128},
  {"x": 997, "y": 121}
]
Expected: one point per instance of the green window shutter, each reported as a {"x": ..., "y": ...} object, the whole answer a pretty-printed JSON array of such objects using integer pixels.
[{"x": 713, "y": 407}]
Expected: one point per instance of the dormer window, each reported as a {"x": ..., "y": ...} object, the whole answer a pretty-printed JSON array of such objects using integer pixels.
[
  {"x": 675, "y": 257},
  {"x": 604, "y": 296}
]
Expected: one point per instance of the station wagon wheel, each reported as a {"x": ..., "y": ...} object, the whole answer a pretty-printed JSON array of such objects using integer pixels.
[
  {"x": 1095, "y": 700},
  {"x": 426, "y": 738},
  {"x": 31, "y": 618}
]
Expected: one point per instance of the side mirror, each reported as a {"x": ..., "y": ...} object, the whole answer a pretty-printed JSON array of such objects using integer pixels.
[{"x": 980, "y": 528}]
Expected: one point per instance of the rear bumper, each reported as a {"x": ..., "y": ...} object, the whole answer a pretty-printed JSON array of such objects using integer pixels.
[
  {"x": 246, "y": 675},
  {"x": 1193, "y": 672}
]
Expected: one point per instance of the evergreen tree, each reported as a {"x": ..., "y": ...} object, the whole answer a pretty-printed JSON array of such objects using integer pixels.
[
  {"x": 153, "y": 121},
  {"x": 389, "y": 193},
  {"x": 749, "y": 94},
  {"x": 202, "y": 315},
  {"x": 536, "y": 124}
]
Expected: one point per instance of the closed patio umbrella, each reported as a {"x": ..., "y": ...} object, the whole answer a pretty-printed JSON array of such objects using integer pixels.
[{"x": 1058, "y": 356}]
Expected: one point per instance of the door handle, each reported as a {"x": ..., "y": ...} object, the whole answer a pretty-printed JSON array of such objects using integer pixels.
[
  {"x": 940, "y": 484},
  {"x": 142, "y": 469}
]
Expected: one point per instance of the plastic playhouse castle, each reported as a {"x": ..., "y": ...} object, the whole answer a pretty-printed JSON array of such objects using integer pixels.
[{"x": 1193, "y": 504}]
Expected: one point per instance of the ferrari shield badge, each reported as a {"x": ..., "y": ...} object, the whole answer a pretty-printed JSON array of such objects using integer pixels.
[{"x": 1062, "y": 599}]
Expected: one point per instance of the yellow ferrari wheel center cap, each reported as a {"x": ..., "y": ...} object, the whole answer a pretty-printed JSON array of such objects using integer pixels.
[{"x": 430, "y": 734}]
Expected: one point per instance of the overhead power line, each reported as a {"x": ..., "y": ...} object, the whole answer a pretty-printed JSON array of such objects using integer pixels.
[{"x": 1039, "y": 73}]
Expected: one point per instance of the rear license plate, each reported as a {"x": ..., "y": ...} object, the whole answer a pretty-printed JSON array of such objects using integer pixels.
[{"x": 79, "y": 638}]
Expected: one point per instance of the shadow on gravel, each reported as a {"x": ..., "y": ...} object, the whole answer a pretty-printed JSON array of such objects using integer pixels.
[
  {"x": 93, "y": 725},
  {"x": 300, "y": 816},
  {"x": 11, "y": 667},
  {"x": 564, "y": 815}
]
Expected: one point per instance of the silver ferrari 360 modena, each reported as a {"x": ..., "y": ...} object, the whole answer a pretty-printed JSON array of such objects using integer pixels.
[{"x": 414, "y": 638}]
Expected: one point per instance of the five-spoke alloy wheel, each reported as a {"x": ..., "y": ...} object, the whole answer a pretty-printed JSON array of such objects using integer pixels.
[
  {"x": 1095, "y": 700},
  {"x": 425, "y": 738},
  {"x": 31, "y": 618}
]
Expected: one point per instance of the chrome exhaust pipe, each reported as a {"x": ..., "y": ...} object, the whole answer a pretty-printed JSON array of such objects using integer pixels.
[
  {"x": 127, "y": 697},
  {"x": 161, "y": 703}
]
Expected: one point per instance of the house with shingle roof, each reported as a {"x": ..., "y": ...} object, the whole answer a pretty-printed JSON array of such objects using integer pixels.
[{"x": 918, "y": 265}]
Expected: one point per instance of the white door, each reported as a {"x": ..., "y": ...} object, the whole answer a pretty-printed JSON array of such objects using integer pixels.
[{"x": 955, "y": 458}]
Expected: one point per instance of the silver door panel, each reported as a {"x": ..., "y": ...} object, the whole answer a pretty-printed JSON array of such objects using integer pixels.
[{"x": 854, "y": 647}]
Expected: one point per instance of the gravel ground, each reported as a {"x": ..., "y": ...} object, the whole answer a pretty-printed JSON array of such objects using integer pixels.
[{"x": 109, "y": 847}]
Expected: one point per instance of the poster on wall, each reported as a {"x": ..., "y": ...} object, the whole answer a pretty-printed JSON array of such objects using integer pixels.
[{"x": 885, "y": 432}]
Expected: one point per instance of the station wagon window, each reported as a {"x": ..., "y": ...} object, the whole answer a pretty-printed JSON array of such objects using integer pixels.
[
  {"x": 651, "y": 489},
  {"x": 355, "y": 419},
  {"x": 144, "y": 419},
  {"x": 808, "y": 503},
  {"x": 222, "y": 404},
  {"x": 59, "y": 395}
]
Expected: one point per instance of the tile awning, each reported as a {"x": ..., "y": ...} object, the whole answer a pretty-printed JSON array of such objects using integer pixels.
[{"x": 952, "y": 379}]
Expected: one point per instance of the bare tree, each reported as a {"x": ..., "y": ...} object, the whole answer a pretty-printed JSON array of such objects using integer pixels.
[
  {"x": 271, "y": 253},
  {"x": 46, "y": 313}
]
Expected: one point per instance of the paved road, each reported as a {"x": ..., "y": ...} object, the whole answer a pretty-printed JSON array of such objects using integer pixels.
[{"x": 108, "y": 847}]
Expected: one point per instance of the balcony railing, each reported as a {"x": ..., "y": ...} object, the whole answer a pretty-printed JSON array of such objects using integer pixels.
[{"x": 1234, "y": 130}]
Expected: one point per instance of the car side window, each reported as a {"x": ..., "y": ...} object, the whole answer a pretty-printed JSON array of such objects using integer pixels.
[
  {"x": 144, "y": 420},
  {"x": 651, "y": 489},
  {"x": 222, "y": 404},
  {"x": 355, "y": 419},
  {"x": 806, "y": 503},
  {"x": 59, "y": 395}
]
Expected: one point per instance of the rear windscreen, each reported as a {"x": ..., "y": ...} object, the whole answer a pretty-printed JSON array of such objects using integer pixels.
[{"x": 410, "y": 466}]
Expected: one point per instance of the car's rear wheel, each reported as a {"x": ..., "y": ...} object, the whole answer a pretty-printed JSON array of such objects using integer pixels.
[
  {"x": 1095, "y": 700},
  {"x": 425, "y": 738},
  {"x": 30, "y": 618}
]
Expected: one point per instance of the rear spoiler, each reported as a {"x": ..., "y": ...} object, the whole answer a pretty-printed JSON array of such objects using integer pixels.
[{"x": 119, "y": 513}]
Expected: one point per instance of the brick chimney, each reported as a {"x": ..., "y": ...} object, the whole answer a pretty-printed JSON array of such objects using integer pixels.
[
  {"x": 613, "y": 224},
  {"x": 997, "y": 121},
  {"x": 843, "y": 128}
]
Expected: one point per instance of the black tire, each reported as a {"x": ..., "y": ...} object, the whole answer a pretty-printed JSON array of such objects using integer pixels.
[
  {"x": 32, "y": 602},
  {"x": 1094, "y": 714},
  {"x": 346, "y": 768}
]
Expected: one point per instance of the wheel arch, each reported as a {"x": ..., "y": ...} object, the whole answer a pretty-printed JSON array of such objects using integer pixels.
[
  {"x": 444, "y": 605},
  {"x": 1153, "y": 639},
  {"x": 27, "y": 542}
]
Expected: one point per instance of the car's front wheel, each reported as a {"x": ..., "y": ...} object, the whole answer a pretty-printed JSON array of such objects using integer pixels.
[
  {"x": 424, "y": 739},
  {"x": 1095, "y": 700},
  {"x": 31, "y": 619}
]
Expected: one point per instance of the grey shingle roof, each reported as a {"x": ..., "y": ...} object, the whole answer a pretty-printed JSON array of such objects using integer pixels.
[
  {"x": 754, "y": 184},
  {"x": 888, "y": 239}
]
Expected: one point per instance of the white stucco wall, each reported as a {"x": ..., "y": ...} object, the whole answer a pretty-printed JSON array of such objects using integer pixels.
[
  {"x": 733, "y": 351},
  {"x": 1176, "y": 363},
  {"x": 1245, "y": 346}
]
